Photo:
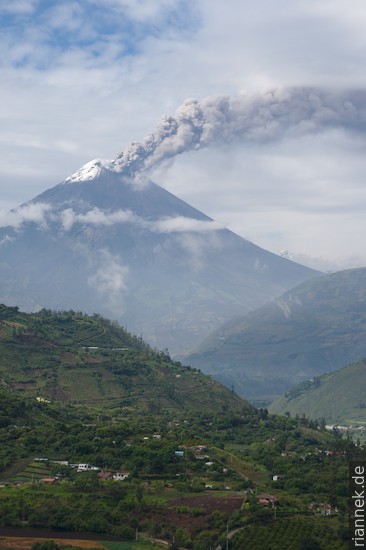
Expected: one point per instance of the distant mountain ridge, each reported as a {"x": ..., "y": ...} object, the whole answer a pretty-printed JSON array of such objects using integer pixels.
[
  {"x": 112, "y": 242},
  {"x": 317, "y": 327}
]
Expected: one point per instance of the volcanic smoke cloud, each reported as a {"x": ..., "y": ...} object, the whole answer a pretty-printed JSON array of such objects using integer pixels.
[{"x": 251, "y": 118}]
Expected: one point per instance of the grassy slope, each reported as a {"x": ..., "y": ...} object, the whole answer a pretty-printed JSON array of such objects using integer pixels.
[
  {"x": 338, "y": 396},
  {"x": 72, "y": 357}
]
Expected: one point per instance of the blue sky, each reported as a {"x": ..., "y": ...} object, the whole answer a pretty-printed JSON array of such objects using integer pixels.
[
  {"x": 38, "y": 33},
  {"x": 81, "y": 79}
]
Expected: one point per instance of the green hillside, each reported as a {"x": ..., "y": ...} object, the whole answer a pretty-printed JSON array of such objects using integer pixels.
[
  {"x": 338, "y": 397},
  {"x": 195, "y": 455},
  {"x": 194, "y": 498},
  {"x": 81, "y": 359}
]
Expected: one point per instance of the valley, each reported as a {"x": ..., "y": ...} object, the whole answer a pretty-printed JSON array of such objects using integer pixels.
[{"x": 315, "y": 328}]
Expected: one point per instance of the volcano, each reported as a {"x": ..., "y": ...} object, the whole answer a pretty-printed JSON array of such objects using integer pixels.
[{"x": 109, "y": 242}]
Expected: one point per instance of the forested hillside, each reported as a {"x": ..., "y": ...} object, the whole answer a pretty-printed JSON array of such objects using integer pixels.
[{"x": 188, "y": 479}]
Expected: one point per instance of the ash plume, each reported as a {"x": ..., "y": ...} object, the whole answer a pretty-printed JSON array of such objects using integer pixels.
[{"x": 250, "y": 118}]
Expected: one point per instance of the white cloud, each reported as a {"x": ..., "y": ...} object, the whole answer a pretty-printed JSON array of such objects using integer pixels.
[
  {"x": 263, "y": 43},
  {"x": 144, "y": 10},
  {"x": 97, "y": 217},
  {"x": 42, "y": 213},
  {"x": 67, "y": 17},
  {"x": 111, "y": 277},
  {"x": 33, "y": 212},
  {"x": 110, "y": 281},
  {"x": 18, "y": 7},
  {"x": 323, "y": 264},
  {"x": 180, "y": 224},
  {"x": 305, "y": 194}
]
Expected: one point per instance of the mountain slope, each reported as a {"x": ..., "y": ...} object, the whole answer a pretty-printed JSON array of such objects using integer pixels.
[
  {"x": 316, "y": 327},
  {"x": 338, "y": 397},
  {"x": 102, "y": 242},
  {"x": 71, "y": 357}
]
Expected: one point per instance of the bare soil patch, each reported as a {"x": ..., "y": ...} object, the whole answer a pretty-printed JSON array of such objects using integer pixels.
[
  {"x": 12, "y": 538},
  {"x": 191, "y": 522},
  {"x": 25, "y": 543},
  {"x": 210, "y": 503}
]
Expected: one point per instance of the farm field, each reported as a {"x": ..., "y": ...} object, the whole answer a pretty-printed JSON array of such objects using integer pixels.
[
  {"x": 30, "y": 537},
  {"x": 295, "y": 533}
]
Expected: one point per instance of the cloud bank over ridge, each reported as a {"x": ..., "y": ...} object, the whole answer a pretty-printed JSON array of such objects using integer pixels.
[{"x": 42, "y": 214}]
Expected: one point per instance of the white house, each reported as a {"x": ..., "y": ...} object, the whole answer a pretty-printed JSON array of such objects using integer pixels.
[
  {"x": 120, "y": 476},
  {"x": 82, "y": 467},
  {"x": 86, "y": 468}
]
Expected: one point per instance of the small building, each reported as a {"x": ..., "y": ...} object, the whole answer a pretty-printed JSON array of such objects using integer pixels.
[
  {"x": 48, "y": 480},
  {"x": 278, "y": 477},
  {"x": 42, "y": 400},
  {"x": 120, "y": 476},
  {"x": 323, "y": 509},
  {"x": 265, "y": 499},
  {"x": 82, "y": 467},
  {"x": 199, "y": 448},
  {"x": 85, "y": 467}
]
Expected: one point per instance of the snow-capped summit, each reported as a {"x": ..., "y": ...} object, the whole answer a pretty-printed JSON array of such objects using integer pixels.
[{"x": 90, "y": 171}]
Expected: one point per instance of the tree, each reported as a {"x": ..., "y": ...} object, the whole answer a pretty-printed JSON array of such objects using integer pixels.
[
  {"x": 182, "y": 538},
  {"x": 205, "y": 540},
  {"x": 87, "y": 480}
]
